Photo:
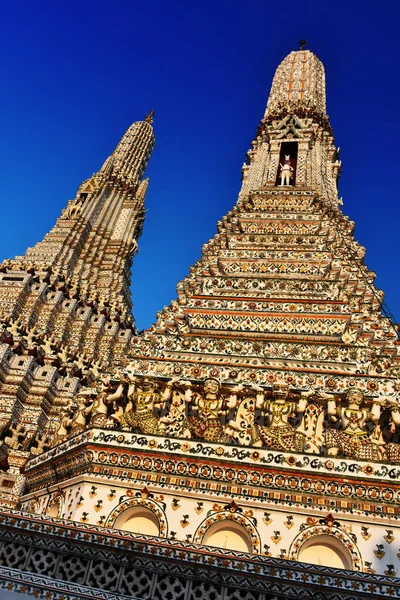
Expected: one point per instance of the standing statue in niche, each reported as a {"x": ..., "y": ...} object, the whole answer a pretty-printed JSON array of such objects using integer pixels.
[
  {"x": 279, "y": 434},
  {"x": 286, "y": 173}
]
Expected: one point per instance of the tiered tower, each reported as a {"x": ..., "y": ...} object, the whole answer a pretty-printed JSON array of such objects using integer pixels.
[
  {"x": 65, "y": 306},
  {"x": 246, "y": 447},
  {"x": 282, "y": 289},
  {"x": 89, "y": 250}
]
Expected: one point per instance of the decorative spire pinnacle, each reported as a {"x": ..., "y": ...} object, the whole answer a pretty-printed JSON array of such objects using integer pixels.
[
  {"x": 299, "y": 80},
  {"x": 302, "y": 44},
  {"x": 150, "y": 117}
]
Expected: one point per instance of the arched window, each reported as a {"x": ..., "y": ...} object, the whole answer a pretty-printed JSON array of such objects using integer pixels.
[
  {"x": 325, "y": 550},
  {"x": 138, "y": 520},
  {"x": 54, "y": 509},
  {"x": 229, "y": 535}
]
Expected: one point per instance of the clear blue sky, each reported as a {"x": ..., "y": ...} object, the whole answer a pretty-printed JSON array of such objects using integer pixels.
[{"x": 76, "y": 74}]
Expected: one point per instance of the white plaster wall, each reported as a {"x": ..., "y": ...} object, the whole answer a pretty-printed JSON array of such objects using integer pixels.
[{"x": 186, "y": 511}]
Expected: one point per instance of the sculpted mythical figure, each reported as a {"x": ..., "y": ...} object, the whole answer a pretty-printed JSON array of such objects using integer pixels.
[
  {"x": 106, "y": 397},
  {"x": 86, "y": 411},
  {"x": 16, "y": 437},
  {"x": 279, "y": 434},
  {"x": 392, "y": 449},
  {"x": 352, "y": 438},
  {"x": 210, "y": 404},
  {"x": 79, "y": 420},
  {"x": 64, "y": 426},
  {"x": 73, "y": 208},
  {"x": 39, "y": 444},
  {"x": 144, "y": 396},
  {"x": 286, "y": 173},
  {"x": 76, "y": 417}
]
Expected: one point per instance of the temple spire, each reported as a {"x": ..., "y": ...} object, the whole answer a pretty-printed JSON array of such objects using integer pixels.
[
  {"x": 92, "y": 243},
  {"x": 150, "y": 117},
  {"x": 299, "y": 79},
  {"x": 295, "y": 131}
]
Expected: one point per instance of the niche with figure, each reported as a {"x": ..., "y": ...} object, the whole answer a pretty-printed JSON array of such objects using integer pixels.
[{"x": 287, "y": 166}]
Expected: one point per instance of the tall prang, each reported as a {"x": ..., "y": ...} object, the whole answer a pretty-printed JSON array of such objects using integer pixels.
[
  {"x": 296, "y": 114},
  {"x": 246, "y": 446},
  {"x": 88, "y": 253},
  {"x": 283, "y": 285},
  {"x": 65, "y": 306}
]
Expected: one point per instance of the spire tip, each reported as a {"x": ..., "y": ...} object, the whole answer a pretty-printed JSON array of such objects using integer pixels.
[{"x": 150, "y": 117}]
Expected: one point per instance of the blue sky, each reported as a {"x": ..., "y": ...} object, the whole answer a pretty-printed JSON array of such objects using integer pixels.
[{"x": 76, "y": 74}]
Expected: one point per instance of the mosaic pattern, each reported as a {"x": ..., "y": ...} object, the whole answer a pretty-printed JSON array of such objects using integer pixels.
[
  {"x": 141, "y": 562},
  {"x": 65, "y": 306},
  {"x": 275, "y": 497},
  {"x": 258, "y": 468},
  {"x": 263, "y": 400},
  {"x": 300, "y": 78}
]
